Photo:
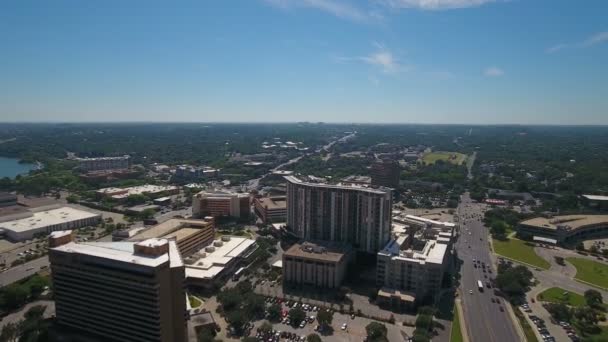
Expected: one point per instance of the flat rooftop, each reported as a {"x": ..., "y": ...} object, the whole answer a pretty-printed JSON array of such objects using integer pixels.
[
  {"x": 273, "y": 202},
  {"x": 182, "y": 233},
  {"x": 168, "y": 227},
  {"x": 136, "y": 190},
  {"x": 571, "y": 221},
  {"x": 118, "y": 251},
  {"x": 596, "y": 197},
  {"x": 433, "y": 252},
  {"x": 47, "y": 218},
  {"x": 318, "y": 251},
  {"x": 211, "y": 263},
  {"x": 342, "y": 186}
]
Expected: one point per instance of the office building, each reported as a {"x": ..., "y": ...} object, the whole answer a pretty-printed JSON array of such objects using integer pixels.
[
  {"x": 565, "y": 229},
  {"x": 29, "y": 224},
  {"x": 318, "y": 264},
  {"x": 596, "y": 202},
  {"x": 121, "y": 194},
  {"x": 189, "y": 235},
  {"x": 119, "y": 291},
  {"x": 343, "y": 213},
  {"x": 218, "y": 261},
  {"x": 195, "y": 172},
  {"x": 221, "y": 204},
  {"x": 271, "y": 209},
  {"x": 7, "y": 199},
  {"x": 104, "y": 163},
  {"x": 386, "y": 173},
  {"x": 411, "y": 267}
]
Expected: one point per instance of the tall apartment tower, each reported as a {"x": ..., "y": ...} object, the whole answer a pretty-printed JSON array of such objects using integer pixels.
[
  {"x": 360, "y": 216},
  {"x": 119, "y": 291},
  {"x": 385, "y": 173}
]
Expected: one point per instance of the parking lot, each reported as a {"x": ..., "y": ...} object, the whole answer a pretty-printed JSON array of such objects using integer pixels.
[{"x": 344, "y": 327}]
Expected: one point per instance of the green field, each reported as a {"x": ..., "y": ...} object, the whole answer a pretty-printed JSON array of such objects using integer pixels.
[
  {"x": 451, "y": 157},
  {"x": 556, "y": 295},
  {"x": 456, "y": 334},
  {"x": 518, "y": 250},
  {"x": 590, "y": 271}
]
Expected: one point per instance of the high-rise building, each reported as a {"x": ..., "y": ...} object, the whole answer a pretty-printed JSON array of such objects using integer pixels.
[
  {"x": 119, "y": 291},
  {"x": 221, "y": 204},
  {"x": 385, "y": 173},
  {"x": 351, "y": 214}
]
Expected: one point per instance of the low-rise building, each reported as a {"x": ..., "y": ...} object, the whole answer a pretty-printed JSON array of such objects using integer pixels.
[
  {"x": 271, "y": 209},
  {"x": 104, "y": 163},
  {"x": 119, "y": 291},
  {"x": 44, "y": 221},
  {"x": 218, "y": 261},
  {"x": 190, "y": 235},
  {"x": 7, "y": 199},
  {"x": 319, "y": 264},
  {"x": 597, "y": 202},
  {"x": 221, "y": 203},
  {"x": 565, "y": 229},
  {"x": 120, "y": 194}
]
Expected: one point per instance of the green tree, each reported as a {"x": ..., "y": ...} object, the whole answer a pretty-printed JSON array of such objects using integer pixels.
[
  {"x": 559, "y": 311},
  {"x": 249, "y": 339},
  {"x": 237, "y": 320},
  {"x": 325, "y": 317},
  {"x": 593, "y": 298},
  {"x": 376, "y": 331},
  {"x": 424, "y": 322},
  {"x": 266, "y": 327},
  {"x": 313, "y": 338},
  {"x": 274, "y": 312},
  {"x": 15, "y": 296},
  {"x": 10, "y": 332},
  {"x": 296, "y": 315}
]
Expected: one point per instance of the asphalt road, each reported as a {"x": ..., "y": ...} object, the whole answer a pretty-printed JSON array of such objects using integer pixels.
[
  {"x": 484, "y": 320},
  {"x": 22, "y": 271}
]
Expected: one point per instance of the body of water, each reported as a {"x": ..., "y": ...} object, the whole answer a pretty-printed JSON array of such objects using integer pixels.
[{"x": 10, "y": 167}]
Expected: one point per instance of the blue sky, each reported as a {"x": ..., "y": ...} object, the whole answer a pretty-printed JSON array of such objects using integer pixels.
[{"x": 412, "y": 61}]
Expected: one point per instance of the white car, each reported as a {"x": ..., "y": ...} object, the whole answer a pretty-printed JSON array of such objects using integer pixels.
[
  {"x": 344, "y": 326},
  {"x": 470, "y": 291}
]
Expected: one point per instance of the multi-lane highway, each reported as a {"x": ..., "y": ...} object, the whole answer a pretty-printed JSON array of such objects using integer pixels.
[
  {"x": 484, "y": 319},
  {"x": 17, "y": 273}
]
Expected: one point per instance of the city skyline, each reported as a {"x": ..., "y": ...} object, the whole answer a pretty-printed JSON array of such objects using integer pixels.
[{"x": 388, "y": 61}]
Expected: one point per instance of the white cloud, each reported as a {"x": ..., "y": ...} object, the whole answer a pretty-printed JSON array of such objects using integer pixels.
[
  {"x": 434, "y": 4},
  {"x": 493, "y": 72},
  {"x": 596, "y": 39},
  {"x": 340, "y": 9},
  {"x": 382, "y": 58}
]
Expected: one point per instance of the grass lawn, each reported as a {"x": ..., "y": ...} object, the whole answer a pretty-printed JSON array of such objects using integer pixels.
[
  {"x": 590, "y": 271},
  {"x": 194, "y": 302},
  {"x": 556, "y": 295},
  {"x": 528, "y": 331},
  {"x": 451, "y": 157},
  {"x": 518, "y": 250},
  {"x": 456, "y": 334}
]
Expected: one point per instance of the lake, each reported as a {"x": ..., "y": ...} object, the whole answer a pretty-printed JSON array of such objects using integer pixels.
[{"x": 10, "y": 167}]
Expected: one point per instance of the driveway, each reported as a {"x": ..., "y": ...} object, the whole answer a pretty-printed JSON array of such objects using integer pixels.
[{"x": 18, "y": 315}]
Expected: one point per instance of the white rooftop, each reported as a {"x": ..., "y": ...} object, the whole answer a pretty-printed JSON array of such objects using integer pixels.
[
  {"x": 596, "y": 197},
  {"x": 214, "y": 262},
  {"x": 119, "y": 251},
  {"x": 136, "y": 190},
  {"x": 47, "y": 218}
]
